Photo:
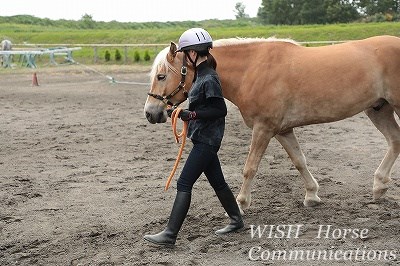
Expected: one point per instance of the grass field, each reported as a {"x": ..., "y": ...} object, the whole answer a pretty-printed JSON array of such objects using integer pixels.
[{"x": 34, "y": 34}]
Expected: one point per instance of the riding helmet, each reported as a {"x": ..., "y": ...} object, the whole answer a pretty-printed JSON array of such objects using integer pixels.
[{"x": 196, "y": 39}]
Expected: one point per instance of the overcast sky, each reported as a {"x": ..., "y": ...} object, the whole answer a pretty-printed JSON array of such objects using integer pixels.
[{"x": 129, "y": 10}]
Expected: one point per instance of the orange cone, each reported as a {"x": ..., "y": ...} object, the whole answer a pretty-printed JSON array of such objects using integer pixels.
[{"x": 34, "y": 80}]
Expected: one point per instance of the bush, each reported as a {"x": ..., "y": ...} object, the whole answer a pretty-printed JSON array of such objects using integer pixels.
[
  {"x": 146, "y": 56},
  {"x": 136, "y": 56},
  {"x": 107, "y": 56},
  {"x": 117, "y": 55}
]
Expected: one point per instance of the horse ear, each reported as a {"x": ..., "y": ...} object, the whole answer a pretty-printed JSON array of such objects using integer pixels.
[{"x": 172, "y": 51}]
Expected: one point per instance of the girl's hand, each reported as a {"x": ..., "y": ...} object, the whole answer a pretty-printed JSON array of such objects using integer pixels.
[{"x": 187, "y": 115}]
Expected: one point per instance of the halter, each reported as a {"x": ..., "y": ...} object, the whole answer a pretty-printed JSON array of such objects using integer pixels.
[{"x": 181, "y": 85}]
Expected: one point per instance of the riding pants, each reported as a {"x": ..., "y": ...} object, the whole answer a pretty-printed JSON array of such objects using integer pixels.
[{"x": 203, "y": 158}]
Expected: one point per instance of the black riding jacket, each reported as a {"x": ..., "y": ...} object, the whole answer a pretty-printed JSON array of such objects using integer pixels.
[{"x": 206, "y": 99}]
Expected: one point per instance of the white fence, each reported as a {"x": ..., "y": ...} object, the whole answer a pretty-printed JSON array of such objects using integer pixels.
[
  {"x": 125, "y": 47},
  {"x": 95, "y": 47},
  {"x": 28, "y": 56}
]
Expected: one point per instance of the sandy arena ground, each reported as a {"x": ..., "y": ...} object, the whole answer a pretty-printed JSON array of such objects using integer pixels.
[{"x": 82, "y": 177}]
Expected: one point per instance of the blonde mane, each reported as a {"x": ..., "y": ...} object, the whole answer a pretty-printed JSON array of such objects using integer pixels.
[
  {"x": 237, "y": 41},
  {"x": 158, "y": 62}
]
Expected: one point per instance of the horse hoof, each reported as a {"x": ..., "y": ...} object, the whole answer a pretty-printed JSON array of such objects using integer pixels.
[
  {"x": 242, "y": 205},
  {"x": 312, "y": 202},
  {"x": 241, "y": 210},
  {"x": 379, "y": 192}
]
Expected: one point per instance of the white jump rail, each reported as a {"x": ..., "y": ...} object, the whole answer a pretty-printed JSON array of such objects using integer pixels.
[{"x": 28, "y": 56}]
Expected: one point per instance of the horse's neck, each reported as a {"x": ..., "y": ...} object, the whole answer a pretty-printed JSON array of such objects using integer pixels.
[{"x": 230, "y": 71}]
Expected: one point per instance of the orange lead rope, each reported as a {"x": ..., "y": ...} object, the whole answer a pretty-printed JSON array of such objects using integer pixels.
[{"x": 182, "y": 135}]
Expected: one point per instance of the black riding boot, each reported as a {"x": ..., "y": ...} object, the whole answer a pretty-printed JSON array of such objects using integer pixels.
[
  {"x": 178, "y": 215},
  {"x": 229, "y": 203}
]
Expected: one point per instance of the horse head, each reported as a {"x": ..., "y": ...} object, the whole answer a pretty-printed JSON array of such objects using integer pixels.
[{"x": 171, "y": 79}]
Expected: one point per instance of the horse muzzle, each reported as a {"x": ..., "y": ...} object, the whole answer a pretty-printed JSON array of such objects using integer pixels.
[{"x": 155, "y": 113}]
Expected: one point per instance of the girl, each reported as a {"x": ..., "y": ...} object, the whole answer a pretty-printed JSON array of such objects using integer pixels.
[{"x": 206, "y": 116}]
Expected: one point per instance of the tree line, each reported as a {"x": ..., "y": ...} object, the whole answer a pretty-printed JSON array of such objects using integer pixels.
[
  {"x": 277, "y": 12},
  {"x": 87, "y": 22},
  {"x": 295, "y": 12}
]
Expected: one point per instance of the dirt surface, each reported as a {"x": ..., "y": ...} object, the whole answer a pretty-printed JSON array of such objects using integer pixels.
[{"x": 82, "y": 177}]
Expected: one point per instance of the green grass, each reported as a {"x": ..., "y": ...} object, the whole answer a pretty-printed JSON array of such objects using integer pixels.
[
  {"x": 332, "y": 32},
  {"x": 34, "y": 34}
]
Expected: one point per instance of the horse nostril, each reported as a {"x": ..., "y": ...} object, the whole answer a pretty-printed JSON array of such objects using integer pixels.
[{"x": 149, "y": 117}]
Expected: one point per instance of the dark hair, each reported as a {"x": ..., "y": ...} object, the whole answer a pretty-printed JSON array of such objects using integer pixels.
[
  {"x": 211, "y": 61},
  {"x": 202, "y": 52}
]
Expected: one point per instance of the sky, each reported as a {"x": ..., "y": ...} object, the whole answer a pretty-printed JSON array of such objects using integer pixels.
[{"x": 129, "y": 10}]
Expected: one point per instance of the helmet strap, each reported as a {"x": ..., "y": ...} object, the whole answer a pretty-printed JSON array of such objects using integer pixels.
[
  {"x": 190, "y": 59},
  {"x": 193, "y": 63}
]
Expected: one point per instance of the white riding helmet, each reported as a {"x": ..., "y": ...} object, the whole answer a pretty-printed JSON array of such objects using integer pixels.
[{"x": 196, "y": 39}]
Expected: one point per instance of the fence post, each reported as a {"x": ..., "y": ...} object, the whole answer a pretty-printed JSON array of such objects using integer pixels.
[
  {"x": 126, "y": 55},
  {"x": 95, "y": 54}
]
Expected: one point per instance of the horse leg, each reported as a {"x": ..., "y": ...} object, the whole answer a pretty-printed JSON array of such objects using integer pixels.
[
  {"x": 289, "y": 142},
  {"x": 259, "y": 142},
  {"x": 385, "y": 122}
]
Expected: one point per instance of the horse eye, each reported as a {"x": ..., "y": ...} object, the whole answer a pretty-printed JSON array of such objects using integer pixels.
[{"x": 161, "y": 77}]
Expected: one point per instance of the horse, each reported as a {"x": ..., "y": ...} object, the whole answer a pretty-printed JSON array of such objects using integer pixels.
[
  {"x": 279, "y": 85},
  {"x": 5, "y": 45}
]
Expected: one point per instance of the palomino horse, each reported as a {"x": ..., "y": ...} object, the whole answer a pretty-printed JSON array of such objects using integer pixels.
[{"x": 278, "y": 85}]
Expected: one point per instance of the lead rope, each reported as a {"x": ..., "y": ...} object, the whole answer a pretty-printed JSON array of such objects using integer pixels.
[{"x": 178, "y": 136}]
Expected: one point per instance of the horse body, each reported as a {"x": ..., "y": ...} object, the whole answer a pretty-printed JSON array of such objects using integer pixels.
[
  {"x": 279, "y": 85},
  {"x": 295, "y": 86}
]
